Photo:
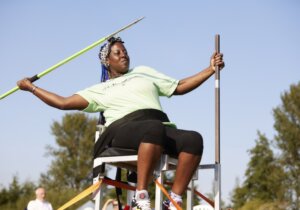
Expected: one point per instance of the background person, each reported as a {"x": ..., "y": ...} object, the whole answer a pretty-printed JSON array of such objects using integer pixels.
[{"x": 39, "y": 203}]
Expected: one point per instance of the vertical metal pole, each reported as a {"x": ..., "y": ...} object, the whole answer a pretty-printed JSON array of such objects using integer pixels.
[
  {"x": 217, "y": 131},
  {"x": 130, "y": 194},
  {"x": 158, "y": 193},
  {"x": 190, "y": 196},
  {"x": 98, "y": 198},
  {"x": 217, "y": 103},
  {"x": 99, "y": 194}
]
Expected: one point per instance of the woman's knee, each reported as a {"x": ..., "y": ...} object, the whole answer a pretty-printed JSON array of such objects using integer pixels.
[{"x": 193, "y": 143}]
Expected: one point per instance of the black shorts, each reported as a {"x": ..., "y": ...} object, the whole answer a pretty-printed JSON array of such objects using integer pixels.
[
  {"x": 172, "y": 140},
  {"x": 147, "y": 126}
]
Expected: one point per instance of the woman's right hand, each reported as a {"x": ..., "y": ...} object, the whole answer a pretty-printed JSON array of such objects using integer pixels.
[{"x": 25, "y": 84}]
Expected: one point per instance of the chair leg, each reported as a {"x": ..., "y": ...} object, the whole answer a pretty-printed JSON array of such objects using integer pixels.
[
  {"x": 218, "y": 187},
  {"x": 190, "y": 195},
  {"x": 98, "y": 198},
  {"x": 158, "y": 194},
  {"x": 130, "y": 194}
]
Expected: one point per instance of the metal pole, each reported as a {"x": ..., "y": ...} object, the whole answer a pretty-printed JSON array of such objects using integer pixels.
[
  {"x": 217, "y": 131},
  {"x": 217, "y": 103},
  {"x": 47, "y": 71}
]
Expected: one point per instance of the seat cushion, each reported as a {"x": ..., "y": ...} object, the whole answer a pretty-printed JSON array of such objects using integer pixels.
[{"x": 115, "y": 151}]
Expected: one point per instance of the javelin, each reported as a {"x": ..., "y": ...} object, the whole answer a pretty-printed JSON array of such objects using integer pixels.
[{"x": 47, "y": 71}]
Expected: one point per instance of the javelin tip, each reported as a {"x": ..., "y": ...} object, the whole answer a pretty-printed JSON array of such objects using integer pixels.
[
  {"x": 141, "y": 18},
  {"x": 138, "y": 20}
]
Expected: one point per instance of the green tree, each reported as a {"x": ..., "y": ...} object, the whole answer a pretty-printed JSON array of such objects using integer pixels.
[
  {"x": 264, "y": 177},
  {"x": 239, "y": 195},
  {"x": 73, "y": 159},
  {"x": 71, "y": 168},
  {"x": 26, "y": 194},
  {"x": 287, "y": 125},
  {"x": 17, "y": 195},
  {"x": 70, "y": 171},
  {"x": 14, "y": 190},
  {"x": 3, "y": 196}
]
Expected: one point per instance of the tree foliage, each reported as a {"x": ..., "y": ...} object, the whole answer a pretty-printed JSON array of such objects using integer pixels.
[
  {"x": 264, "y": 177},
  {"x": 16, "y": 195},
  {"x": 72, "y": 163},
  {"x": 273, "y": 182},
  {"x": 287, "y": 125},
  {"x": 71, "y": 168}
]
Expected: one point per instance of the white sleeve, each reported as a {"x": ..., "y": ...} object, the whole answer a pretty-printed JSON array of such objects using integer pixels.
[{"x": 30, "y": 205}]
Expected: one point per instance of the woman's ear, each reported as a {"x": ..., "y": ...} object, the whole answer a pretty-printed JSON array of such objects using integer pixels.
[{"x": 107, "y": 62}]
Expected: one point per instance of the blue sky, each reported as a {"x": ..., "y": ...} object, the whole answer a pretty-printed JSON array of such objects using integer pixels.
[{"x": 259, "y": 39}]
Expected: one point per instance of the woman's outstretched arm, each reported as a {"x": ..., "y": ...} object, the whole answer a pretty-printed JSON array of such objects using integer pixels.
[
  {"x": 74, "y": 102},
  {"x": 190, "y": 83}
]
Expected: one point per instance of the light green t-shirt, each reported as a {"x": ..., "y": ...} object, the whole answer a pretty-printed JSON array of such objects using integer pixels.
[{"x": 140, "y": 88}]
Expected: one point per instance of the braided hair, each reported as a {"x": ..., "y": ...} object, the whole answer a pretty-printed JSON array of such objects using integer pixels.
[{"x": 103, "y": 54}]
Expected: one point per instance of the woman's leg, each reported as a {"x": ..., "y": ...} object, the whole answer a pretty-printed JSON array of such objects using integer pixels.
[
  {"x": 187, "y": 165},
  {"x": 188, "y": 146},
  {"x": 148, "y": 156},
  {"x": 147, "y": 138}
]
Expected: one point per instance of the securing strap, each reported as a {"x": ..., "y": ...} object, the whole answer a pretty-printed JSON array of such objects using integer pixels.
[
  {"x": 119, "y": 190},
  {"x": 82, "y": 195},
  {"x": 210, "y": 202},
  {"x": 167, "y": 194},
  {"x": 205, "y": 198},
  {"x": 118, "y": 184}
]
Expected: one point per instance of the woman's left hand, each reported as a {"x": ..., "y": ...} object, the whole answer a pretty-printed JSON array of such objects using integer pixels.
[{"x": 217, "y": 60}]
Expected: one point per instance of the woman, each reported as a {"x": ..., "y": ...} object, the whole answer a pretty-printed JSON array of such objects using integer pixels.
[{"x": 129, "y": 100}]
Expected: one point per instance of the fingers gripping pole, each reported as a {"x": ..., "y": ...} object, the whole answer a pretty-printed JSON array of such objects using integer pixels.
[{"x": 47, "y": 71}]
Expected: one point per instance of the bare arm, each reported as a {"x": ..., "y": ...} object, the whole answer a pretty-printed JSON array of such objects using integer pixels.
[
  {"x": 74, "y": 102},
  {"x": 190, "y": 83}
]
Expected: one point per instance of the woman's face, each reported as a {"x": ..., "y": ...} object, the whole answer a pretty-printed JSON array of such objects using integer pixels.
[{"x": 118, "y": 59}]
